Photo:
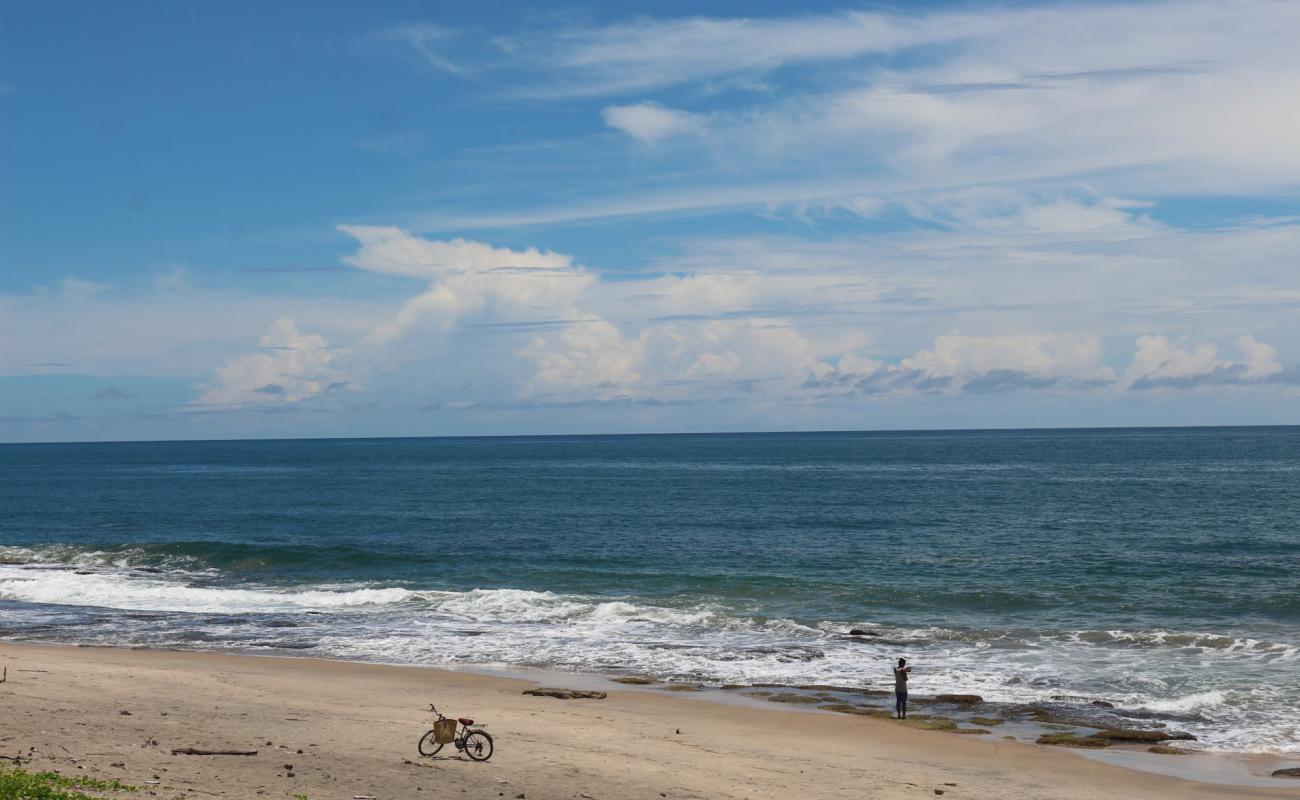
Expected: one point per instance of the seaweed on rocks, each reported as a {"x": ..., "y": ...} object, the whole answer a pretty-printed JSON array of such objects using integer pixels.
[
  {"x": 1070, "y": 740},
  {"x": 1130, "y": 735},
  {"x": 791, "y": 697}
]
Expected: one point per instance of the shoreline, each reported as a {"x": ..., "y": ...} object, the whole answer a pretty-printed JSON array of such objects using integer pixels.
[{"x": 606, "y": 745}]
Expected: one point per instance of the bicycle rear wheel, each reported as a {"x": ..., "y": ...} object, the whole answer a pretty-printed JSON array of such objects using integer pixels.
[
  {"x": 478, "y": 745},
  {"x": 428, "y": 746}
]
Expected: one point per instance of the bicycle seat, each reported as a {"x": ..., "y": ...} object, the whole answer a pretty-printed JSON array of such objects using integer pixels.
[{"x": 465, "y": 721}]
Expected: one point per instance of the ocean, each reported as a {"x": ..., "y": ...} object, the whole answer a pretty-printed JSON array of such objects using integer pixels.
[{"x": 1155, "y": 569}]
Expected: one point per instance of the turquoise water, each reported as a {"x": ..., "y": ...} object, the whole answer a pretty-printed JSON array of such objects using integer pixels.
[{"x": 1155, "y": 568}]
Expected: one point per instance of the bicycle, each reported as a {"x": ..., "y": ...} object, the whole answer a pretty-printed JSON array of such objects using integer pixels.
[{"x": 473, "y": 742}]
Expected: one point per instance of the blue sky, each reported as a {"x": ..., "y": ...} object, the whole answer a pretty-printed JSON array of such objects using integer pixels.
[{"x": 239, "y": 219}]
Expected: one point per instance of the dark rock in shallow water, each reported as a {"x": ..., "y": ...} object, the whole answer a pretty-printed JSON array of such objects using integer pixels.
[
  {"x": 1070, "y": 740},
  {"x": 929, "y": 723},
  {"x": 636, "y": 680},
  {"x": 845, "y": 708},
  {"x": 1289, "y": 772},
  {"x": 566, "y": 694},
  {"x": 1088, "y": 716},
  {"x": 964, "y": 699},
  {"x": 790, "y": 697},
  {"x": 1168, "y": 751},
  {"x": 823, "y": 687},
  {"x": 863, "y": 632},
  {"x": 1143, "y": 736},
  {"x": 1074, "y": 698}
]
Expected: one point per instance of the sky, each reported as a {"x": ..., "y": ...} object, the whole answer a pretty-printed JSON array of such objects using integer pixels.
[{"x": 238, "y": 219}]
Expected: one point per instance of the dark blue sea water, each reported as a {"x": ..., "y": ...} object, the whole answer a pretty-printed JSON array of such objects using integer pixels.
[{"x": 1157, "y": 568}]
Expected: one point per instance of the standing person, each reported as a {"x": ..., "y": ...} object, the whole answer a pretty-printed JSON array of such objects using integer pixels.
[{"x": 900, "y": 688}]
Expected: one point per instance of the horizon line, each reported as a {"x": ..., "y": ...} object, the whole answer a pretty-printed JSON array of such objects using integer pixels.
[{"x": 831, "y": 431}]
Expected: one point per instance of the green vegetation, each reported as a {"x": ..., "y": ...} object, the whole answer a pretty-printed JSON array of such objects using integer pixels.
[{"x": 19, "y": 784}]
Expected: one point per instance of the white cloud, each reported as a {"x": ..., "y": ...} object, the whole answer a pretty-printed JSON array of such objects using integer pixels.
[
  {"x": 1153, "y": 98},
  {"x": 467, "y": 279},
  {"x": 292, "y": 366},
  {"x": 591, "y": 358},
  {"x": 1044, "y": 354},
  {"x": 77, "y": 290},
  {"x": 1259, "y": 359},
  {"x": 655, "y": 53},
  {"x": 651, "y": 123},
  {"x": 1158, "y": 359},
  {"x": 426, "y": 40}
]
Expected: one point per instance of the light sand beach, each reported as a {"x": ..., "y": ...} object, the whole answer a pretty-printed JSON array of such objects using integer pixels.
[{"x": 325, "y": 729}]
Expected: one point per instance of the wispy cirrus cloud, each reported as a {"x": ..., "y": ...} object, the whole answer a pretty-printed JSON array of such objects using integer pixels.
[{"x": 1179, "y": 96}]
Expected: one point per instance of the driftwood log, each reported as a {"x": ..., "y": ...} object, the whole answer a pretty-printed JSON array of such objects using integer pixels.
[{"x": 194, "y": 751}]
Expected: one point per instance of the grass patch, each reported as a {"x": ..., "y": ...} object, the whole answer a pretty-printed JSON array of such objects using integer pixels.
[{"x": 19, "y": 784}]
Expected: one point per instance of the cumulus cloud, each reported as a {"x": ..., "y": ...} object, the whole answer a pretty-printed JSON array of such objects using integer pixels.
[
  {"x": 466, "y": 278},
  {"x": 956, "y": 355},
  {"x": 979, "y": 364},
  {"x": 1161, "y": 363},
  {"x": 292, "y": 366},
  {"x": 651, "y": 123}
]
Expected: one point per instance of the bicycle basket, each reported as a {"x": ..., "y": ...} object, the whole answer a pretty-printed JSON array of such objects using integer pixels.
[{"x": 444, "y": 730}]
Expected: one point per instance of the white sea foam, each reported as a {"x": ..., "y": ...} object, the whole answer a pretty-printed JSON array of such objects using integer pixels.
[
  {"x": 703, "y": 642},
  {"x": 107, "y": 590}
]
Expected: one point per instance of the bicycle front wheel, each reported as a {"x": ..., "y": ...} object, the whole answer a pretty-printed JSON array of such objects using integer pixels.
[
  {"x": 428, "y": 745},
  {"x": 478, "y": 745}
]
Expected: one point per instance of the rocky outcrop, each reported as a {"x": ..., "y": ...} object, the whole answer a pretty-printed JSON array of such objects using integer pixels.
[
  {"x": 1289, "y": 772},
  {"x": 635, "y": 680},
  {"x": 1168, "y": 751},
  {"x": 1070, "y": 740},
  {"x": 863, "y": 632},
  {"x": 963, "y": 699},
  {"x": 862, "y": 711},
  {"x": 1074, "y": 698},
  {"x": 929, "y": 724},
  {"x": 1143, "y": 736},
  {"x": 790, "y": 697},
  {"x": 566, "y": 694}
]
